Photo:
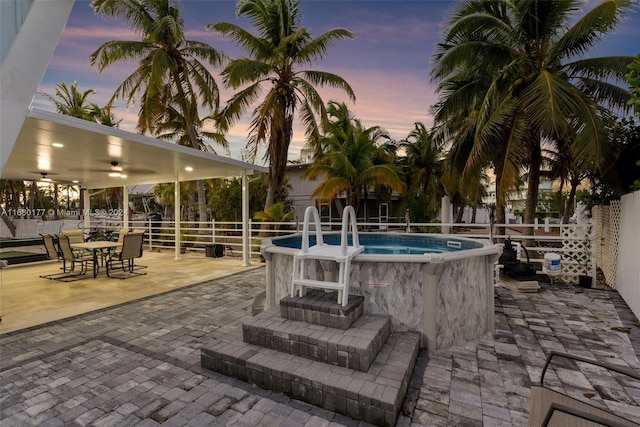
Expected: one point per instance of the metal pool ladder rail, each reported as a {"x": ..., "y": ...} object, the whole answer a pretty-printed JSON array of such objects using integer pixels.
[{"x": 342, "y": 255}]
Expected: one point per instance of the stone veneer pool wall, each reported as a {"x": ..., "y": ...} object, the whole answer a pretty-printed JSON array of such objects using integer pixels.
[{"x": 447, "y": 298}]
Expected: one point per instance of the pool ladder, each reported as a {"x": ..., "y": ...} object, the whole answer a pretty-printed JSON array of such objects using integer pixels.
[{"x": 342, "y": 255}]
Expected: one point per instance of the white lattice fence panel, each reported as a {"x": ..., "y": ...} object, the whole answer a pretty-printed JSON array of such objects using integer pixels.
[
  {"x": 610, "y": 256},
  {"x": 600, "y": 217},
  {"x": 607, "y": 220},
  {"x": 574, "y": 252}
]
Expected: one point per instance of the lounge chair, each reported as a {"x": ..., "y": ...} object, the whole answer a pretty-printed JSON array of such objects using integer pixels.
[{"x": 551, "y": 408}]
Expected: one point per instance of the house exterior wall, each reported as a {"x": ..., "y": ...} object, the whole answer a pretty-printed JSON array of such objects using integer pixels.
[{"x": 29, "y": 47}]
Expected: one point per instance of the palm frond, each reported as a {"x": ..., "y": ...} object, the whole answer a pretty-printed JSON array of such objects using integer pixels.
[
  {"x": 317, "y": 48},
  {"x": 605, "y": 93},
  {"x": 255, "y": 46},
  {"x": 608, "y": 67},
  {"x": 118, "y": 50},
  {"x": 549, "y": 101},
  {"x": 243, "y": 70},
  {"x": 322, "y": 78},
  {"x": 588, "y": 30}
]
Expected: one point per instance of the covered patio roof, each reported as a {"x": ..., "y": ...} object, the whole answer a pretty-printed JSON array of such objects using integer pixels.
[
  {"x": 88, "y": 151},
  {"x": 68, "y": 150}
]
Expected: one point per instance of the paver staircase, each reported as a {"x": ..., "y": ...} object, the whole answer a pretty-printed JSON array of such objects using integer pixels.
[{"x": 322, "y": 352}]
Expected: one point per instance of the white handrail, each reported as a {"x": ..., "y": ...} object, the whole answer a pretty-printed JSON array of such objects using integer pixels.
[
  {"x": 311, "y": 210},
  {"x": 348, "y": 212}
]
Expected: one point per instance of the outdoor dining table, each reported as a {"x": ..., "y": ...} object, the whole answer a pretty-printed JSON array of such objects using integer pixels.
[{"x": 95, "y": 247}]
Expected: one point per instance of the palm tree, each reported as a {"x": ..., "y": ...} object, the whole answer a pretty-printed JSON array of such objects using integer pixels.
[
  {"x": 513, "y": 73},
  {"x": 423, "y": 166},
  {"x": 103, "y": 115},
  {"x": 71, "y": 102},
  {"x": 277, "y": 213},
  {"x": 347, "y": 164},
  {"x": 274, "y": 58},
  {"x": 171, "y": 128},
  {"x": 172, "y": 71}
]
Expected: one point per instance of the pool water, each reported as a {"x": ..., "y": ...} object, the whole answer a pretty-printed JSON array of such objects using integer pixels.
[{"x": 389, "y": 243}]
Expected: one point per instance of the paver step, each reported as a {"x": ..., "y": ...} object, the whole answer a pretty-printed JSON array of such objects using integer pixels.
[
  {"x": 321, "y": 308},
  {"x": 354, "y": 348},
  {"x": 375, "y": 396}
]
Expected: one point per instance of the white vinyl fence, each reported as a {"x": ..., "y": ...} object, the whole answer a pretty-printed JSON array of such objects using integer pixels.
[
  {"x": 571, "y": 241},
  {"x": 574, "y": 243},
  {"x": 627, "y": 277}
]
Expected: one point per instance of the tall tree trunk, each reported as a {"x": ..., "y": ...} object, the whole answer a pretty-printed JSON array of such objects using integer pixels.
[
  {"x": 568, "y": 207},
  {"x": 366, "y": 207},
  {"x": 501, "y": 201},
  {"x": 191, "y": 213},
  {"x": 475, "y": 207},
  {"x": 202, "y": 207},
  {"x": 56, "y": 201},
  {"x": 463, "y": 204},
  {"x": 532, "y": 190},
  {"x": 81, "y": 202},
  {"x": 32, "y": 195}
]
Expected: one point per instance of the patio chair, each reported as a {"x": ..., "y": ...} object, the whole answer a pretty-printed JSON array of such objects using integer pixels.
[
  {"x": 50, "y": 246},
  {"x": 75, "y": 236},
  {"x": 105, "y": 254},
  {"x": 143, "y": 232},
  {"x": 124, "y": 259},
  {"x": 551, "y": 408},
  {"x": 70, "y": 260}
]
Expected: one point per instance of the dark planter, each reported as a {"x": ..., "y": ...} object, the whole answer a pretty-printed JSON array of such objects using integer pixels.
[{"x": 584, "y": 281}]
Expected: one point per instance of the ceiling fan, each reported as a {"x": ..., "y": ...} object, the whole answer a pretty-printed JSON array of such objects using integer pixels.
[
  {"x": 115, "y": 169},
  {"x": 46, "y": 177}
]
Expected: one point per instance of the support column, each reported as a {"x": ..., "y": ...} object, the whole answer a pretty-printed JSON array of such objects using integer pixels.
[
  {"x": 176, "y": 215},
  {"x": 245, "y": 220},
  {"x": 445, "y": 214},
  {"x": 125, "y": 205},
  {"x": 86, "y": 209}
]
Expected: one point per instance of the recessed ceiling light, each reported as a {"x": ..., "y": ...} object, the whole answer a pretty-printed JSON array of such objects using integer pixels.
[
  {"x": 75, "y": 181},
  {"x": 114, "y": 174},
  {"x": 188, "y": 169},
  {"x": 57, "y": 145},
  {"x": 123, "y": 176}
]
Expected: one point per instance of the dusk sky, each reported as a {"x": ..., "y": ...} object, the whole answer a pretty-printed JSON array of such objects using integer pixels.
[{"x": 386, "y": 64}]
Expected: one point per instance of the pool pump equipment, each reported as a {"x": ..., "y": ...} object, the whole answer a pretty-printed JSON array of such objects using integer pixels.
[{"x": 513, "y": 267}]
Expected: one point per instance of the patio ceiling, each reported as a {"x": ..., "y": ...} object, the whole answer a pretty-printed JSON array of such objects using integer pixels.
[{"x": 88, "y": 150}]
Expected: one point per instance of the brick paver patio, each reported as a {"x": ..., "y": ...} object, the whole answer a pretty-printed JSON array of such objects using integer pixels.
[{"x": 139, "y": 364}]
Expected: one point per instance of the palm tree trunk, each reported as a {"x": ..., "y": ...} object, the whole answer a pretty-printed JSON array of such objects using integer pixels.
[
  {"x": 568, "y": 207},
  {"x": 366, "y": 207},
  {"x": 475, "y": 207},
  {"x": 532, "y": 190},
  {"x": 56, "y": 201},
  {"x": 81, "y": 201},
  {"x": 32, "y": 195},
  {"x": 463, "y": 204},
  {"x": 202, "y": 207}
]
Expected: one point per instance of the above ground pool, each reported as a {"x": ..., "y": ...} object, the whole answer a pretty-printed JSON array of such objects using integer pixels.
[
  {"x": 390, "y": 243},
  {"x": 437, "y": 285}
]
